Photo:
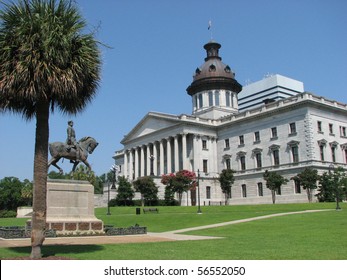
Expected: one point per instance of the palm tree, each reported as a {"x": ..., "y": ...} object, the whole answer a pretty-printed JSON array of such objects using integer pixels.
[{"x": 46, "y": 64}]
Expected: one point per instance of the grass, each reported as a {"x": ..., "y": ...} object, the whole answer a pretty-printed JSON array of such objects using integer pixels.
[{"x": 320, "y": 235}]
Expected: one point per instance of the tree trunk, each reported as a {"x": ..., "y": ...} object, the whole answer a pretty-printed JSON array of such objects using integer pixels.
[
  {"x": 273, "y": 192},
  {"x": 142, "y": 200},
  {"x": 309, "y": 194},
  {"x": 38, "y": 222}
]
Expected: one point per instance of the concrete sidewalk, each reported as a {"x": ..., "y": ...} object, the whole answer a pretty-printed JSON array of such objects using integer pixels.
[{"x": 175, "y": 235}]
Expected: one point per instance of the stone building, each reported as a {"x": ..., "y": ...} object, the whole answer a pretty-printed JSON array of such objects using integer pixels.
[{"x": 285, "y": 136}]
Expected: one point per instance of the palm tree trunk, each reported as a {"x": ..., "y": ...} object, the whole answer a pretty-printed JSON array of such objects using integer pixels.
[{"x": 38, "y": 221}]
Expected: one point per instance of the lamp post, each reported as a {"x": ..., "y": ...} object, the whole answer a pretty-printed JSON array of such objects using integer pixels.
[
  {"x": 151, "y": 157},
  {"x": 114, "y": 169},
  {"x": 199, "y": 208}
]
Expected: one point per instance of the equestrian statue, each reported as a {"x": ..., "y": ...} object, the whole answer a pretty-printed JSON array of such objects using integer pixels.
[{"x": 75, "y": 151}]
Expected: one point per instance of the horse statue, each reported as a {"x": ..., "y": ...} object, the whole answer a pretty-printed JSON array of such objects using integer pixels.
[{"x": 75, "y": 154}]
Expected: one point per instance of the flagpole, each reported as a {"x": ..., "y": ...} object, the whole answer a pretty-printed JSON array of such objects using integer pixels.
[{"x": 210, "y": 28}]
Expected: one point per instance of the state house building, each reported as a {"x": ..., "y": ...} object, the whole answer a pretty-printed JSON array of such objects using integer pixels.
[{"x": 280, "y": 128}]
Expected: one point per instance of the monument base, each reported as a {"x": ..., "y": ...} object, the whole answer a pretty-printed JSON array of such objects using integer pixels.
[{"x": 70, "y": 208}]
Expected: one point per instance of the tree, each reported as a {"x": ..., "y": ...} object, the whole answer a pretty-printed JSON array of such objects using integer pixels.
[
  {"x": 125, "y": 193},
  {"x": 226, "y": 180},
  {"x": 46, "y": 64},
  {"x": 11, "y": 193},
  {"x": 325, "y": 189},
  {"x": 180, "y": 182},
  {"x": 274, "y": 181},
  {"x": 27, "y": 192},
  {"x": 308, "y": 180},
  {"x": 146, "y": 186}
]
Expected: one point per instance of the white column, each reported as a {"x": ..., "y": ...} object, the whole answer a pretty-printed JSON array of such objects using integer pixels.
[
  {"x": 213, "y": 163},
  {"x": 125, "y": 168},
  {"x": 148, "y": 159},
  {"x": 161, "y": 156},
  {"x": 136, "y": 163},
  {"x": 142, "y": 162},
  {"x": 131, "y": 171},
  {"x": 155, "y": 154},
  {"x": 184, "y": 150},
  {"x": 176, "y": 158},
  {"x": 196, "y": 151},
  {"x": 168, "y": 155}
]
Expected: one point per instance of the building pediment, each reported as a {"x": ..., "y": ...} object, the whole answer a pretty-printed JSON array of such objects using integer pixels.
[{"x": 151, "y": 123}]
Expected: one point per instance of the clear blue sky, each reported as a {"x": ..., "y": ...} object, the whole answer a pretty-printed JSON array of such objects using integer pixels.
[{"x": 156, "y": 46}]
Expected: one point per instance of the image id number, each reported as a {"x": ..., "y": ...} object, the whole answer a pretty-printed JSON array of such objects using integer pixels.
[{"x": 217, "y": 270}]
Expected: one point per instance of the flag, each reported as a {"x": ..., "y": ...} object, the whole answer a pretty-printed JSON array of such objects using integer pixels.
[{"x": 209, "y": 25}]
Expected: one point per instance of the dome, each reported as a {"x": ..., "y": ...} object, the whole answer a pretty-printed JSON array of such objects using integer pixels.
[{"x": 213, "y": 74}]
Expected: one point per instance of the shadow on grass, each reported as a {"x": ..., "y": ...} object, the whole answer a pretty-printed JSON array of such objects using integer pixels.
[{"x": 53, "y": 250}]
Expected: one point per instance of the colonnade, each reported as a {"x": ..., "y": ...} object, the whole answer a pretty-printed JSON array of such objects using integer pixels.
[{"x": 167, "y": 155}]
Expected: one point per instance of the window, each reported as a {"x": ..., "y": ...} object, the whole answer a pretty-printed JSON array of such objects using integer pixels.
[
  {"x": 321, "y": 151},
  {"x": 276, "y": 157},
  {"x": 200, "y": 101},
  {"x": 295, "y": 154},
  {"x": 204, "y": 144},
  {"x": 244, "y": 191},
  {"x": 294, "y": 149},
  {"x": 331, "y": 128},
  {"x": 227, "y": 163},
  {"x": 210, "y": 98},
  {"x": 274, "y": 132},
  {"x": 297, "y": 186},
  {"x": 227, "y": 99},
  {"x": 279, "y": 191},
  {"x": 319, "y": 126},
  {"x": 260, "y": 189},
  {"x": 217, "y": 98},
  {"x": 292, "y": 128},
  {"x": 208, "y": 192},
  {"x": 243, "y": 162},
  {"x": 258, "y": 160},
  {"x": 333, "y": 153},
  {"x": 242, "y": 140},
  {"x": 227, "y": 144},
  {"x": 256, "y": 136},
  {"x": 204, "y": 166},
  {"x": 343, "y": 131}
]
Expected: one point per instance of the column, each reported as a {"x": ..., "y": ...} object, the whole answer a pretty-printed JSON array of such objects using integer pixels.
[
  {"x": 125, "y": 168},
  {"x": 136, "y": 162},
  {"x": 184, "y": 150},
  {"x": 213, "y": 153},
  {"x": 148, "y": 159},
  {"x": 176, "y": 159},
  {"x": 142, "y": 162},
  {"x": 161, "y": 156},
  {"x": 196, "y": 148},
  {"x": 131, "y": 171},
  {"x": 168, "y": 155},
  {"x": 155, "y": 155}
]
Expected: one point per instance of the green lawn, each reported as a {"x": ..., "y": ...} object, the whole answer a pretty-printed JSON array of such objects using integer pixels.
[{"x": 303, "y": 236}]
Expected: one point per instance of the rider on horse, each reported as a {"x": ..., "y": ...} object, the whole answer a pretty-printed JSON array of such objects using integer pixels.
[{"x": 71, "y": 140}]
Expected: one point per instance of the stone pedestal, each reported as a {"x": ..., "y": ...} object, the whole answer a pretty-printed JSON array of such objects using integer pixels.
[{"x": 70, "y": 208}]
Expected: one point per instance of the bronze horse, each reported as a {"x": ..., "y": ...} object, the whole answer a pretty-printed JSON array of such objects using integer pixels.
[{"x": 76, "y": 154}]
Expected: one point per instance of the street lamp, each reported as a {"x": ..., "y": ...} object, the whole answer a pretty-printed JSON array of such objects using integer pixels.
[
  {"x": 198, "y": 185},
  {"x": 151, "y": 157},
  {"x": 114, "y": 169}
]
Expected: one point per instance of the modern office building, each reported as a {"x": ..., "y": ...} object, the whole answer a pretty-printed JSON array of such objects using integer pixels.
[
  {"x": 271, "y": 88},
  {"x": 286, "y": 135}
]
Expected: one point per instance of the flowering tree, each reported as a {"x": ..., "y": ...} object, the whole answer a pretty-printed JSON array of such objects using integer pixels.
[{"x": 180, "y": 182}]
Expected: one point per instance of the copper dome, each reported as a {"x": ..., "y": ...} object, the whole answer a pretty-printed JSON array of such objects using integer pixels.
[{"x": 213, "y": 74}]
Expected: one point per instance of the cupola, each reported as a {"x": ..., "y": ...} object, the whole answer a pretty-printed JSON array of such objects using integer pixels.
[{"x": 214, "y": 88}]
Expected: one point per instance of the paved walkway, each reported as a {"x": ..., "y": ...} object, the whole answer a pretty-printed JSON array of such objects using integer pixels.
[{"x": 175, "y": 235}]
